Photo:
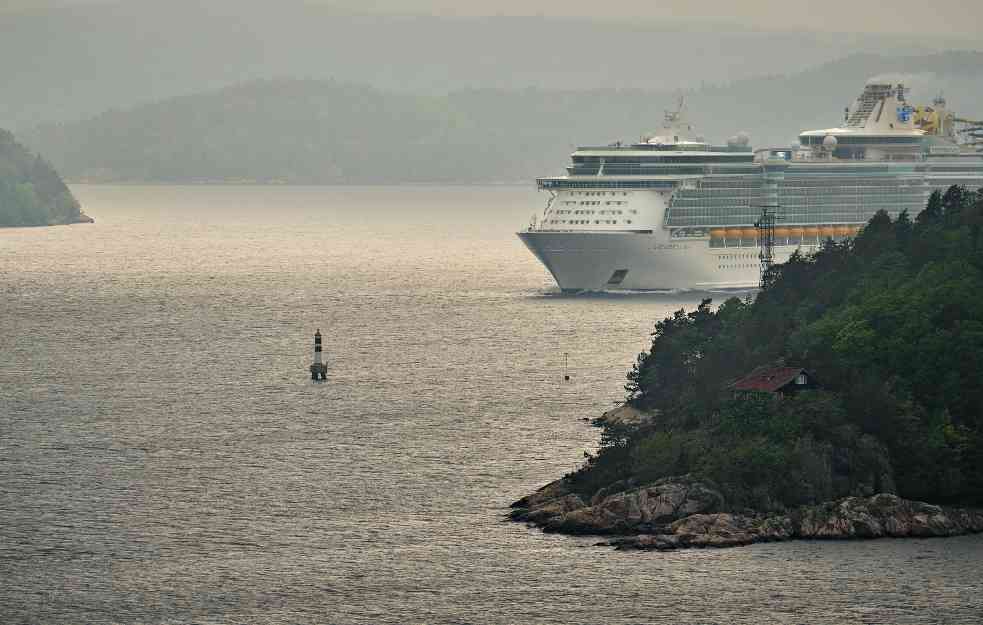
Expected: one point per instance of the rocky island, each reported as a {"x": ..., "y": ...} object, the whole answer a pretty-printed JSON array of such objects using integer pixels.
[
  {"x": 31, "y": 191},
  {"x": 844, "y": 401}
]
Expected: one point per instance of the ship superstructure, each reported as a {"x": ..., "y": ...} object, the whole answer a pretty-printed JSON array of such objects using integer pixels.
[{"x": 674, "y": 211}]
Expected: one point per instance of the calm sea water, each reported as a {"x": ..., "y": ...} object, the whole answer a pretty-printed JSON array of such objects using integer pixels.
[{"x": 164, "y": 457}]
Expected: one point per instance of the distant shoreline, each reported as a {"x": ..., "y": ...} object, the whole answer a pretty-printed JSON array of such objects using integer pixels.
[
  {"x": 248, "y": 183},
  {"x": 82, "y": 219}
]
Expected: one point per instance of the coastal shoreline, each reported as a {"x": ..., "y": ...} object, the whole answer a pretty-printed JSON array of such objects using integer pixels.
[
  {"x": 274, "y": 183},
  {"x": 685, "y": 512},
  {"x": 82, "y": 219}
]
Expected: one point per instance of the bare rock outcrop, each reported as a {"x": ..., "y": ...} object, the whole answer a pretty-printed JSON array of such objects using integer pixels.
[
  {"x": 883, "y": 515},
  {"x": 641, "y": 509},
  {"x": 626, "y": 415},
  {"x": 682, "y": 512}
]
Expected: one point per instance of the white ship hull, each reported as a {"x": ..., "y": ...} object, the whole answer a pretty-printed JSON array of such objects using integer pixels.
[
  {"x": 633, "y": 261},
  {"x": 675, "y": 212}
]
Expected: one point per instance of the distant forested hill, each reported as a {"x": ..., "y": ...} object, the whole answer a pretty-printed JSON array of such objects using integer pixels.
[
  {"x": 305, "y": 131},
  {"x": 69, "y": 62},
  {"x": 31, "y": 192}
]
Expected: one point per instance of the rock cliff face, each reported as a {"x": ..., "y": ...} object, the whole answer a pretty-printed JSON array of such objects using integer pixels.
[{"x": 681, "y": 512}]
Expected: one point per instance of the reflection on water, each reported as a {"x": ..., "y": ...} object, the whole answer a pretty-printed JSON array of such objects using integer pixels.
[{"x": 165, "y": 457}]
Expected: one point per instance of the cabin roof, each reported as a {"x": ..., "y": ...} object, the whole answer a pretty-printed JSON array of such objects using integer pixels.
[{"x": 767, "y": 379}]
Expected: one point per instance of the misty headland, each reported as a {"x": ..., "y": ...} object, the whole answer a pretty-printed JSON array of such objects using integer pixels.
[
  {"x": 304, "y": 93},
  {"x": 289, "y": 131},
  {"x": 31, "y": 191}
]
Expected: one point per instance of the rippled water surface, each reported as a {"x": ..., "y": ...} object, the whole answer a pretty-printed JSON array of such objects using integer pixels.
[{"x": 164, "y": 457}]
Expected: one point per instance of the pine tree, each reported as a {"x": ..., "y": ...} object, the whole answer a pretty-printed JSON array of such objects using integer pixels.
[
  {"x": 933, "y": 210},
  {"x": 954, "y": 201}
]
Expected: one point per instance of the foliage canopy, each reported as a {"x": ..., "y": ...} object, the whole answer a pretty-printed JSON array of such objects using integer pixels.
[
  {"x": 31, "y": 191},
  {"x": 890, "y": 324}
]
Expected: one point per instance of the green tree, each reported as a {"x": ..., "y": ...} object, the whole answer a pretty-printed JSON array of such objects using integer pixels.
[
  {"x": 891, "y": 324},
  {"x": 933, "y": 210},
  {"x": 31, "y": 192}
]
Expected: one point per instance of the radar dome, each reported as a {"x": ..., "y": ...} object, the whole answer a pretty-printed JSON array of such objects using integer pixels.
[{"x": 829, "y": 141}]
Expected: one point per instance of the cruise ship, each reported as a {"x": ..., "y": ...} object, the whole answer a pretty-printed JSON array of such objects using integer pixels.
[{"x": 676, "y": 212}]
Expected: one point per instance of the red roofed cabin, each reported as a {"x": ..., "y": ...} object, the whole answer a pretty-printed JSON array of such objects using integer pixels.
[{"x": 776, "y": 381}]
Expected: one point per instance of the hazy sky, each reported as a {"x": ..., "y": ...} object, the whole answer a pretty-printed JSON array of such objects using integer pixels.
[{"x": 900, "y": 16}]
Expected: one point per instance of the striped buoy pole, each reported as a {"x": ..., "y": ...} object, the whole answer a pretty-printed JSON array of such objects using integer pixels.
[{"x": 319, "y": 370}]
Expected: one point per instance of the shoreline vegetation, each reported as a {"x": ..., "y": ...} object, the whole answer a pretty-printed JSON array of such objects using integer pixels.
[
  {"x": 886, "y": 439},
  {"x": 31, "y": 191}
]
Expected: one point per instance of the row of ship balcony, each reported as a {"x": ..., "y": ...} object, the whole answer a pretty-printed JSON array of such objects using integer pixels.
[
  {"x": 784, "y": 235},
  {"x": 829, "y": 166},
  {"x": 660, "y": 170}
]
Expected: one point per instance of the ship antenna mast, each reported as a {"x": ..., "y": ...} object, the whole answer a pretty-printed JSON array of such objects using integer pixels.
[
  {"x": 774, "y": 176},
  {"x": 766, "y": 239}
]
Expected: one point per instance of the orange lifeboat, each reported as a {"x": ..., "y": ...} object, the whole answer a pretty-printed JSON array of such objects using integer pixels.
[
  {"x": 826, "y": 232},
  {"x": 783, "y": 233},
  {"x": 749, "y": 233},
  {"x": 796, "y": 232},
  {"x": 733, "y": 233},
  {"x": 718, "y": 233},
  {"x": 844, "y": 231}
]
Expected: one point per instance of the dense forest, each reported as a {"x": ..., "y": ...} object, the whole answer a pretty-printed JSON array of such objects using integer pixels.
[
  {"x": 331, "y": 132},
  {"x": 31, "y": 191},
  {"x": 891, "y": 327}
]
